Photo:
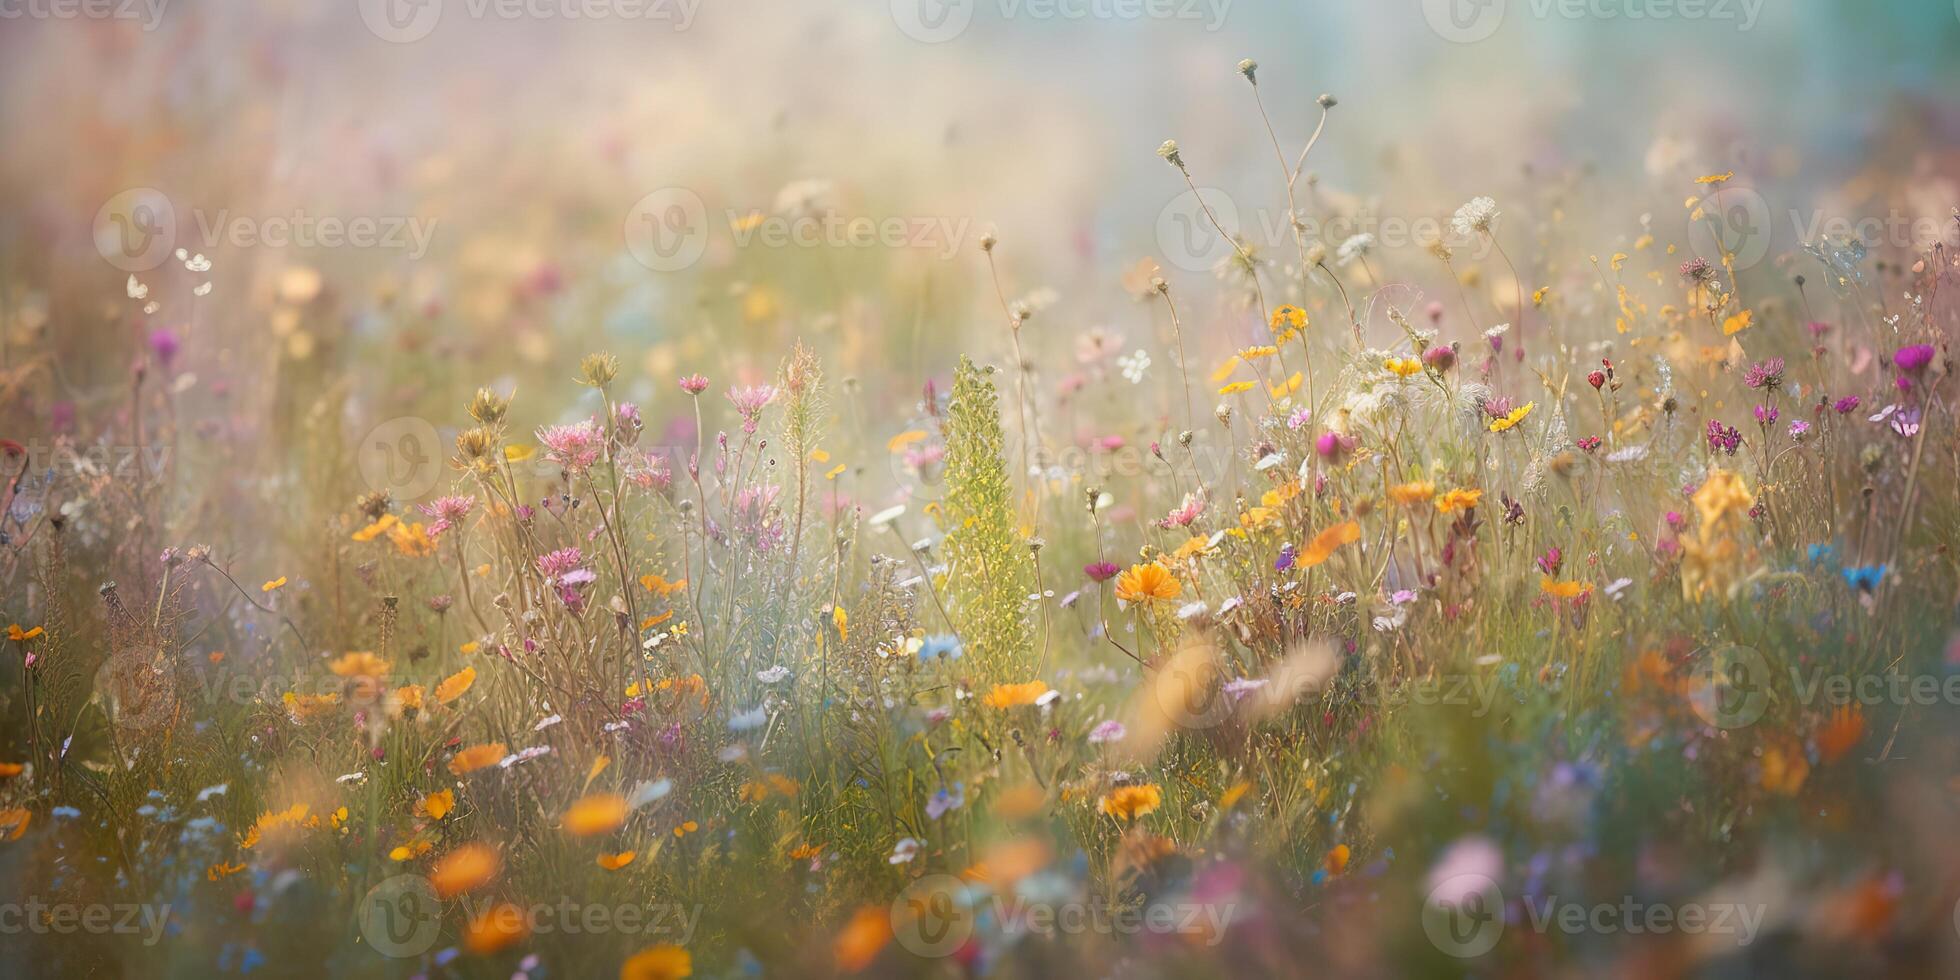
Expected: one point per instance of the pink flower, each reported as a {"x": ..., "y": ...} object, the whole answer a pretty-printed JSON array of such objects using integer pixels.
[
  {"x": 749, "y": 403},
  {"x": 1913, "y": 359},
  {"x": 575, "y": 447},
  {"x": 694, "y": 384},
  {"x": 447, "y": 513},
  {"x": 1194, "y": 505},
  {"x": 559, "y": 562}
]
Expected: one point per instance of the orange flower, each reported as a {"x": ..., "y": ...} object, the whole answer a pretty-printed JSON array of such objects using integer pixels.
[
  {"x": 478, "y": 756},
  {"x": 614, "y": 862},
  {"x": 436, "y": 806},
  {"x": 1131, "y": 802},
  {"x": 453, "y": 686},
  {"x": 1337, "y": 860},
  {"x": 465, "y": 869},
  {"x": 15, "y": 820},
  {"x": 1014, "y": 695},
  {"x": 862, "y": 938},
  {"x": 1326, "y": 542},
  {"x": 1841, "y": 733},
  {"x": 663, "y": 962},
  {"x": 1146, "y": 582},
  {"x": 600, "y": 813},
  {"x": 1562, "y": 590},
  {"x": 1459, "y": 499},
  {"x": 409, "y": 697},
  {"x": 1410, "y": 494},
  {"x": 495, "y": 928},
  {"x": 306, "y": 707},
  {"x": 9, "y": 770},
  {"x": 16, "y": 634},
  {"x": 359, "y": 665}
]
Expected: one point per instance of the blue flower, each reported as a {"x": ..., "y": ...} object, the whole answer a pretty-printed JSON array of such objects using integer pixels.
[
  {"x": 1821, "y": 553},
  {"x": 1864, "y": 579},
  {"x": 942, "y": 645}
]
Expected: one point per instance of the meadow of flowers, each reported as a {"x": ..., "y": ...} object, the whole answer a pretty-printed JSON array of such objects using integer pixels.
[{"x": 1554, "y": 594}]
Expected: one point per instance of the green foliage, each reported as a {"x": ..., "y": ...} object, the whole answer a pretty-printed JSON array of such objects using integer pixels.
[{"x": 989, "y": 570}]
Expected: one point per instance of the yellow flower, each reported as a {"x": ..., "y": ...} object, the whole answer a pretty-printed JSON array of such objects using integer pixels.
[
  {"x": 1255, "y": 353},
  {"x": 1562, "y": 590},
  {"x": 1289, "y": 315},
  {"x": 1459, "y": 499},
  {"x": 1403, "y": 367},
  {"x": 1238, "y": 386},
  {"x": 663, "y": 962},
  {"x": 412, "y": 540},
  {"x": 278, "y": 583},
  {"x": 1509, "y": 421},
  {"x": 1410, "y": 494},
  {"x": 1014, "y": 695},
  {"x": 377, "y": 529},
  {"x": 306, "y": 707},
  {"x": 16, "y": 634},
  {"x": 1148, "y": 581},
  {"x": 1324, "y": 544},
  {"x": 1131, "y": 802},
  {"x": 409, "y": 697}
]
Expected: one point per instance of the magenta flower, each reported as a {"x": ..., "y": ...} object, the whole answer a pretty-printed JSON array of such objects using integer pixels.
[
  {"x": 1723, "y": 438},
  {"x": 1913, "y": 359},
  {"x": 1100, "y": 571},
  {"x": 1764, "y": 374},
  {"x": 575, "y": 447},
  {"x": 447, "y": 512},
  {"x": 694, "y": 384},
  {"x": 560, "y": 562},
  {"x": 1846, "y": 405}
]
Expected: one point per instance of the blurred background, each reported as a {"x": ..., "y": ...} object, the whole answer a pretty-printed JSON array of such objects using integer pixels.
[{"x": 495, "y": 186}]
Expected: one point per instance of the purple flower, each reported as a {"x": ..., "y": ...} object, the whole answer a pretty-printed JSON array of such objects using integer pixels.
[
  {"x": 165, "y": 345},
  {"x": 1766, "y": 414},
  {"x": 1913, "y": 359},
  {"x": 1108, "y": 731},
  {"x": 1764, "y": 374},
  {"x": 447, "y": 513},
  {"x": 1100, "y": 571},
  {"x": 1723, "y": 438},
  {"x": 1846, "y": 405},
  {"x": 1799, "y": 428},
  {"x": 1285, "y": 559}
]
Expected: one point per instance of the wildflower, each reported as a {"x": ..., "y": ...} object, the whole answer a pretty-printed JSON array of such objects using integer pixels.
[
  {"x": 941, "y": 647},
  {"x": 1355, "y": 248},
  {"x": 1333, "y": 445},
  {"x": 477, "y": 757},
  {"x": 575, "y": 447},
  {"x": 1134, "y": 365},
  {"x": 359, "y": 665},
  {"x": 1511, "y": 418},
  {"x": 1328, "y": 541},
  {"x": 599, "y": 813},
  {"x": 1799, "y": 428},
  {"x": 1458, "y": 499},
  {"x": 944, "y": 801},
  {"x": 1597, "y": 379},
  {"x": 1186, "y": 512},
  {"x": 614, "y": 862},
  {"x": 1475, "y": 217},
  {"x": 1864, "y": 579},
  {"x": 1129, "y": 803},
  {"x": 1440, "y": 357},
  {"x": 1913, "y": 359},
  {"x": 453, "y": 686},
  {"x": 1288, "y": 317},
  {"x": 1107, "y": 731},
  {"x": 1764, "y": 374},
  {"x": 749, "y": 403},
  {"x": 1723, "y": 438},
  {"x": 905, "y": 850},
  {"x": 1589, "y": 444},
  {"x": 598, "y": 370},
  {"x": 1846, "y": 405},
  {"x": 1005, "y": 696},
  {"x": 18, "y": 635},
  {"x": 1551, "y": 561},
  {"x": 1697, "y": 271},
  {"x": 465, "y": 869},
  {"x": 1766, "y": 415},
  {"x": 1146, "y": 582},
  {"x": 694, "y": 384},
  {"x": 1100, "y": 571},
  {"x": 1403, "y": 367},
  {"x": 664, "y": 961},
  {"x": 436, "y": 805},
  {"x": 495, "y": 928},
  {"x": 1841, "y": 733}
]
